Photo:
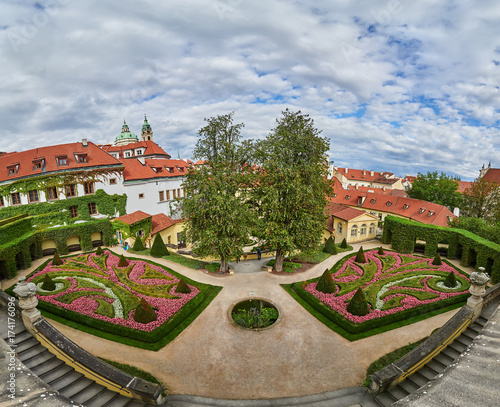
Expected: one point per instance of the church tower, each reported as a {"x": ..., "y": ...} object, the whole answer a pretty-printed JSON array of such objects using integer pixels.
[{"x": 147, "y": 133}]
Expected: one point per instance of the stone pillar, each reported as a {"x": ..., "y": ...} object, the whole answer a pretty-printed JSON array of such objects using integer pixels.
[
  {"x": 478, "y": 280},
  {"x": 26, "y": 293}
]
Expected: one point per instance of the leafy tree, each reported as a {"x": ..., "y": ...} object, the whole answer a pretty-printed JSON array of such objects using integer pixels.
[
  {"x": 438, "y": 188},
  {"x": 216, "y": 205},
  {"x": 158, "y": 249},
  {"x": 358, "y": 304},
  {"x": 330, "y": 246},
  {"x": 138, "y": 246},
  {"x": 326, "y": 284},
  {"x": 482, "y": 200},
  {"x": 292, "y": 187}
]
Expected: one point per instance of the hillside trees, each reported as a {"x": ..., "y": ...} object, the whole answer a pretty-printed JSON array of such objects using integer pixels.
[
  {"x": 482, "y": 200},
  {"x": 438, "y": 188}
]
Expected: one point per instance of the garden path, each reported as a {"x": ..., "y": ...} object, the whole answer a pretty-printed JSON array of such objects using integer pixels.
[{"x": 298, "y": 356}]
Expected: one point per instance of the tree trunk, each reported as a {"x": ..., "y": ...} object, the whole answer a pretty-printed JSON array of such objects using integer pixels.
[
  {"x": 223, "y": 266},
  {"x": 278, "y": 264}
]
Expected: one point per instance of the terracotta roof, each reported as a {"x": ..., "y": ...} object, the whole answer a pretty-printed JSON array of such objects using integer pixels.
[
  {"x": 362, "y": 175},
  {"x": 463, "y": 185},
  {"x": 492, "y": 175},
  {"x": 150, "y": 148},
  {"x": 53, "y": 159},
  {"x": 161, "y": 222},
  {"x": 133, "y": 217},
  {"x": 154, "y": 168},
  {"x": 343, "y": 212}
]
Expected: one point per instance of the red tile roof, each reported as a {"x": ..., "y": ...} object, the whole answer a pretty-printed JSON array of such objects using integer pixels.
[
  {"x": 362, "y": 175},
  {"x": 492, "y": 175},
  {"x": 343, "y": 212},
  {"x": 24, "y": 163},
  {"x": 133, "y": 217},
  {"x": 463, "y": 185},
  {"x": 161, "y": 222},
  {"x": 150, "y": 148},
  {"x": 154, "y": 168}
]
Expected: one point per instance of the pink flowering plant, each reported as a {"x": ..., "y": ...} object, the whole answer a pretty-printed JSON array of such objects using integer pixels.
[
  {"x": 392, "y": 283},
  {"x": 103, "y": 294}
]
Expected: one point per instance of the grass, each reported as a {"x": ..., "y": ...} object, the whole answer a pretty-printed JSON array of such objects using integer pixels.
[
  {"x": 135, "y": 371},
  {"x": 288, "y": 266},
  {"x": 389, "y": 358},
  {"x": 185, "y": 261}
]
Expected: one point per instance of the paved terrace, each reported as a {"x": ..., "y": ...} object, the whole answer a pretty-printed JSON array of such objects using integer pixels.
[{"x": 299, "y": 356}]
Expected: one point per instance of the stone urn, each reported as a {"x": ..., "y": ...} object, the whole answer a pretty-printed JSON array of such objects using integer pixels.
[
  {"x": 478, "y": 281},
  {"x": 26, "y": 292}
]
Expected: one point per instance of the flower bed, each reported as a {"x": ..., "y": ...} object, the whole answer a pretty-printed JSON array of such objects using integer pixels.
[
  {"x": 395, "y": 285},
  {"x": 93, "y": 290}
]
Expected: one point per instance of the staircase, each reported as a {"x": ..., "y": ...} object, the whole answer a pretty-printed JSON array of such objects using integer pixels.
[
  {"x": 58, "y": 375},
  {"x": 438, "y": 364}
]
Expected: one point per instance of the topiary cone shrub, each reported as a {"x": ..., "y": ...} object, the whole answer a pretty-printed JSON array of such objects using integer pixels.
[
  {"x": 122, "y": 262},
  {"x": 159, "y": 249},
  {"x": 138, "y": 246},
  {"x": 360, "y": 257},
  {"x": 56, "y": 260},
  {"x": 330, "y": 246},
  {"x": 344, "y": 245},
  {"x": 99, "y": 251},
  {"x": 182, "y": 287},
  {"x": 326, "y": 284},
  {"x": 437, "y": 260},
  {"x": 48, "y": 284},
  {"x": 381, "y": 251},
  {"x": 451, "y": 280},
  {"x": 144, "y": 313},
  {"x": 358, "y": 305}
]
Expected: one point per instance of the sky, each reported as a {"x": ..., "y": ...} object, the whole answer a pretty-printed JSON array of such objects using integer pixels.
[{"x": 397, "y": 86}]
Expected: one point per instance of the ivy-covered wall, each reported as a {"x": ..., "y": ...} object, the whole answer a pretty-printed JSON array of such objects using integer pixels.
[
  {"x": 131, "y": 230},
  {"x": 471, "y": 249}
]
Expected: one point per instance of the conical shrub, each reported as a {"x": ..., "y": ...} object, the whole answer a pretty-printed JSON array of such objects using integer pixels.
[
  {"x": 159, "y": 249},
  {"x": 138, "y": 246},
  {"x": 326, "y": 284},
  {"x": 48, "y": 284},
  {"x": 344, "y": 244},
  {"x": 381, "y": 251},
  {"x": 330, "y": 246},
  {"x": 144, "y": 313},
  {"x": 122, "y": 262},
  {"x": 451, "y": 280},
  {"x": 99, "y": 251},
  {"x": 437, "y": 260},
  {"x": 358, "y": 305},
  {"x": 56, "y": 260},
  {"x": 182, "y": 287},
  {"x": 360, "y": 257}
]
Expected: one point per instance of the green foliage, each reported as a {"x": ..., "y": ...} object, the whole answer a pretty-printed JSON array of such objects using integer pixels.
[
  {"x": 159, "y": 249},
  {"x": 56, "y": 260},
  {"x": 185, "y": 261},
  {"x": 326, "y": 284},
  {"x": 182, "y": 287},
  {"x": 482, "y": 201},
  {"x": 330, "y": 246},
  {"x": 381, "y": 251},
  {"x": 344, "y": 244},
  {"x": 48, "y": 284},
  {"x": 437, "y": 260},
  {"x": 451, "y": 280},
  {"x": 254, "y": 318},
  {"x": 438, "y": 188},
  {"x": 99, "y": 251},
  {"x": 220, "y": 216},
  {"x": 292, "y": 187},
  {"x": 144, "y": 313},
  {"x": 358, "y": 305},
  {"x": 315, "y": 256},
  {"x": 122, "y": 262},
  {"x": 360, "y": 257},
  {"x": 212, "y": 267},
  {"x": 138, "y": 246}
]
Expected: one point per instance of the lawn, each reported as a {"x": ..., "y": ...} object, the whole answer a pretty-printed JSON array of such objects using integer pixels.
[{"x": 396, "y": 287}]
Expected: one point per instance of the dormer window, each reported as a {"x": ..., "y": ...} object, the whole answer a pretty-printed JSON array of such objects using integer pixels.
[
  {"x": 13, "y": 169},
  {"x": 62, "y": 160},
  {"x": 139, "y": 152},
  {"x": 431, "y": 213},
  {"x": 389, "y": 203},
  {"x": 38, "y": 165},
  {"x": 422, "y": 210},
  {"x": 406, "y": 206},
  {"x": 373, "y": 200},
  {"x": 347, "y": 197},
  {"x": 128, "y": 154},
  {"x": 157, "y": 169},
  {"x": 81, "y": 158}
]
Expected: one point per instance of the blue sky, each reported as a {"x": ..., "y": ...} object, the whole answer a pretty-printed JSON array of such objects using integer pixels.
[{"x": 397, "y": 86}]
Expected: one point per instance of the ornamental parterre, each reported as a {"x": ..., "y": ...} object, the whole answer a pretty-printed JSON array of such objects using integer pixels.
[
  {"x": 391, "y": 283},
  {"x": 95, "y": 286}
]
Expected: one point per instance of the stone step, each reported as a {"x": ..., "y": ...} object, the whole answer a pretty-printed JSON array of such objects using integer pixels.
[
  {"x": 99, "y": 399},
  {"x": 385, "y": 399},
  {"x": 92, "y": 391},
  {"x": 417, "y": 379},
  {"x": 398, "y": 392},
  {"x": 451, "y": 353}
]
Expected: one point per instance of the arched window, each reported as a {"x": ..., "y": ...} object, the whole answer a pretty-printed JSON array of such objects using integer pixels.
[
  {"x": 339, "y": 228},
  {"x": 354, "y": 231},
  {"x": 372, "y": 228},
  {"x": 363, "y": 229}
]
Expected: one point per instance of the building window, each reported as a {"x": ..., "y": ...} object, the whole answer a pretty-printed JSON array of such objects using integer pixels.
[
  {"x": 51, "y": 193},
  {"x": 70, "y": 190},
  {"x": 92, "y": 208},
  {"x": 112, "y": 181},
  {"x": 16, "y": 198},
  {"x": 140, "y": 233},
  {"x": 127, "y": 154},
  {"x": 138, "y": 152},
  {"x": 178, "y": 193},
  {"x": 13, "y": 169},
  {"x": 363, "y": 229},
  {"x": 37, "y": 165},
  {"x": 168, "y": 195},
  {"x": 169, "y": 239},
  {"x": 73, "y": 211},
  {"x": 380, "y": 216},
  {"x": 141, "y": 196},
  {"x": 354, "y": 231},
  {"x": 339, "y": 228},
  {"x": 88, "y": 187},
  {"x": 81, "y": 158},
  {"x": 372, "y": 228},
  {"x": 162, "y": 196},
  {"x": 173, "y": 194},
  {"x": 1, "y": 200},
  {"x": 33, "y": 195},
  {"x": 62, "y": 160}
]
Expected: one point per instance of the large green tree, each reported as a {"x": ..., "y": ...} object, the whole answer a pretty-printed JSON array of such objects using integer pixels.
[
  {"x": 438, "y": 188},
  {"x": 291, "y": 191},
  {"x": 482, "y": 200},
  {"x": 216, "y": 205}
]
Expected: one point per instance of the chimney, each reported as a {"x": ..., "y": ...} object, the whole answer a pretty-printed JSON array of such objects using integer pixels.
[
  {"x": 357, "y": 187},
  {"x": 346, "y": 170},
  {"x": 372, "y": 173},
  {"x": 364, "y": 172},
  {"x": 84, "y": 142},
  {"x": 383, "y": 189}
]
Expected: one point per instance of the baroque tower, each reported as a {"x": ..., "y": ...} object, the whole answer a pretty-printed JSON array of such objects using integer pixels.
[{"x": 147, "y": 133}]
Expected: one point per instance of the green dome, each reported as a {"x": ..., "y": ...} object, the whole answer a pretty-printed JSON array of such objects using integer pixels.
[{"x": 126, "y": 134}]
